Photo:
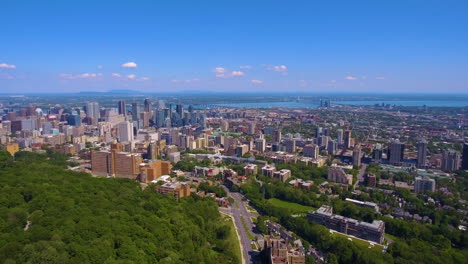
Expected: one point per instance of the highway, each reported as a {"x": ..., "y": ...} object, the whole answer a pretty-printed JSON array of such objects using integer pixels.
[{"x": 239, "y": 211}]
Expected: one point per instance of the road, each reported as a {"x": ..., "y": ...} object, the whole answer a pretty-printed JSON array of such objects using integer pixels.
[
  {"x": 360, "y": 176},
  {"x": 238, "y": 211}
]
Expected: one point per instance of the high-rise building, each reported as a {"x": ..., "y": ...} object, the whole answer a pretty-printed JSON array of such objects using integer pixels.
[
  {"x": 357, "y": 155},
  {"x": 135, "y": 111},
  {"x": 465, "y": 157},
  {"x": 422, "y": 153},
  {"x": 339, "y": 137},
  {"x": 92, "y": 111},
  {"x": 125, "y": 131},
  {"x": 396, "y": 152},
  {"x": 331, "y": 147},
  {"x": 277, "y": 136},
  {"x": 290, "y": 145},
  {"x": 311, "y": 151},
  {"x": 260, "y": 144},
  {"x": 180, "y": 109},
  {"x": 252, "y": 128},
  {"x": 424, "y": 184},
  {"x": 74, "y": 120},
  {"x": 147, "y": 105},
  {"x": 347, "y": 138},
  {"x": 122, "y": 108},
  {"x": 450, "y": 160}
]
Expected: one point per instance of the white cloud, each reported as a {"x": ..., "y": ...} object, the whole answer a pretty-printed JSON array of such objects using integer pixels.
[
  {"x": 7, "y": 66},
  {"x": 85, "y": 75},
  {"x": 278, "y": 68},
  {"x": 144, "y": 79},
  {"x": 186, "y": 81},
  {"x": 303, "y": 83},
  {"x": 131, "y": 76},
  {"x": 245, "y": 67},
  {"x": 100, "y": 67},
  {"x": 129, "y": 65},
  {"x": 116, "y": 75},
  {"x": 380, "y": 78},
  {"x": 256, "y": 81},
  {"x": 220, "y": 72},
  {"x": 237, "y": 73},
  {"x": 350, "y": 78},
  {"x": 6, "y": 76}
]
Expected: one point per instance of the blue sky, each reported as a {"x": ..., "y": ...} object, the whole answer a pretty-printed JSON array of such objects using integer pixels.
[{"x": 308, "y": 46}]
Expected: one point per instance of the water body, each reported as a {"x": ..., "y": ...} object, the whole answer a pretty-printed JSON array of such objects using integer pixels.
[{"x": 294, "y": 104}]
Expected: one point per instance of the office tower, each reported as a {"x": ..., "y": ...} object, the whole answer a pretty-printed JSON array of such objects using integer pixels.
[
  {"x": 277, "y": 136},
  {"x": 422, "y": 153},
  {"x": 424, "y": 184},
  {"x": 318, "y": 132},
  {"x": 339, "y": 137},
  {"x": 377, "y": 155},
  {"x": 190, "y": 108},
  {"x": 92, "y": 111},
  {"x": 170, "y": 111},
  {"x": 311, "y": 151},
  {"x": 147, "y": 105},
  {"x": 450, "y": 160},
  {"x": 160, "y": 118},
  {"x": 357, "y": 155},
  {"x": 260, "y": 144},
  {"x": 323, "y": 141},
  {"x": 161, "y": 104},
  {"x": 396, "y": 151},
  {"x": 122, "y": 108},
  {"x": 74, "y": 120},
  {"x": 203, "y": 120},
  {"x": 125, "y": 131},
  {"x": 465, "y": 157},
  {"x": 347, "y": 139},
  {"x": 180, "y": 109},
  {"x": 135, "y": 111},
  {"x": 331, "y": 147}
]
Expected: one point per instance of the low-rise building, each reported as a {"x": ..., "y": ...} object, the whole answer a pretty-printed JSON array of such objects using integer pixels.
[
  {"x": 177, "y": 189},
  {"x": 369, "y": 231}
]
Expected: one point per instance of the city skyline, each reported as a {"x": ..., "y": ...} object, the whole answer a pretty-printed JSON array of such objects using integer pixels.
[{"x": 364, "y": 47}]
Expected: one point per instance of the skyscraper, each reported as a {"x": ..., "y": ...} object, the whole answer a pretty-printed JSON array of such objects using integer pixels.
[
  {"x": 396, "y": 152},
  {"x": 147, "y": 105},
  {"x": 92, "y": 111},
  {"x": 122, "y": 108},
  {"x": 125, "y": 131},
  {"x": 422, "y": 153},
  {"x": 339, "y": 137},
  {"x": 465, "y": 157},
  {"x": 180, "y": 109},
  {"x": 357, "y": 155},
  {"x": 450, "y": 160},
  {"x": 135, "y": 111},
  {"x": 347, "y": 138}
]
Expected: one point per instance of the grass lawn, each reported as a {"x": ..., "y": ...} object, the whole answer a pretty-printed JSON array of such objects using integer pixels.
[
  {"x": 234, "y": 246},
  {"x": 295, "y": 207},
  {"x": 359, "y": 242},
  {"x": 249, "y": 234}
]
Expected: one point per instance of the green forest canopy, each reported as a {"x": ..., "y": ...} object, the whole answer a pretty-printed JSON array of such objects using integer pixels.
[{"x": 75, "y": 218}]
